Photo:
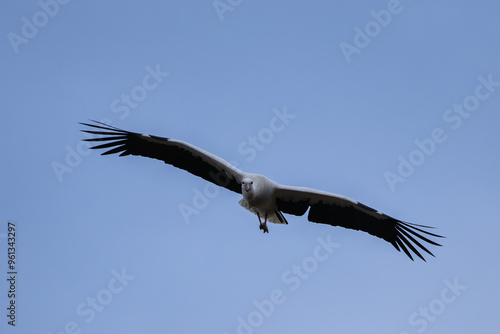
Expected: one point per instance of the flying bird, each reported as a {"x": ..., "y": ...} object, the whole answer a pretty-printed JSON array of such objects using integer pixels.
[{"x": 262, "y": 196}]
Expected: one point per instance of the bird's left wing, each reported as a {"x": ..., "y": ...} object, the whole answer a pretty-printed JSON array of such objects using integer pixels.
[
  {"x": 173, "y": 152},
  {"x": 336, "y": 210}
]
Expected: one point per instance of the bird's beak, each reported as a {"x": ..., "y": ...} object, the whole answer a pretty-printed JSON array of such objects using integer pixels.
[{"x": 247, "y": 186}]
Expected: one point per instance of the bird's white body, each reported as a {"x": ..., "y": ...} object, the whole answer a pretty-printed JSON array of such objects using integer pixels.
[{"x": 259, "y": 197}]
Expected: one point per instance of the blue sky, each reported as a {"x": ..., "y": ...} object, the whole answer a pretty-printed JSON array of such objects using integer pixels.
[{"x": 394, "y": 104}]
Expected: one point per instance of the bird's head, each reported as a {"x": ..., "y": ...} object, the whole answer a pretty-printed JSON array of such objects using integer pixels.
[{"x": 246, "y": 185}]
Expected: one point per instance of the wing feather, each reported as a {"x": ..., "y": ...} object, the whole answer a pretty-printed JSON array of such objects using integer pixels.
[
  {"x": 336, "y": 210},
  {"x": 173, "y": 152}
]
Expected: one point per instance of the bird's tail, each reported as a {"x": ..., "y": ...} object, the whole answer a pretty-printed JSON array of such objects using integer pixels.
[{"x": 276, "y": 217}]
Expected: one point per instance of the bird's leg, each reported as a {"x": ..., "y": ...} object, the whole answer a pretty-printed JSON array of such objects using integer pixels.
[{"x": 263, "y": 225}]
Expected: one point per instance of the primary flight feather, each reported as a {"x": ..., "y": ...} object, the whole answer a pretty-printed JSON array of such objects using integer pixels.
[{"x": 262, "y": 196}]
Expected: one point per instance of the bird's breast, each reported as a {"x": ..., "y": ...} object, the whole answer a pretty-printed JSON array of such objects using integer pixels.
[{"x": 260, "y": 201}]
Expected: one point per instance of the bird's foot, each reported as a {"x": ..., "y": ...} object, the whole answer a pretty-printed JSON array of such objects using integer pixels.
[{"x": 263, "y": 226}]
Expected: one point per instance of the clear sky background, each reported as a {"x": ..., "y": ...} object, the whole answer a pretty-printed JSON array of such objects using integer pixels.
[{"x": 399, "y": 112}]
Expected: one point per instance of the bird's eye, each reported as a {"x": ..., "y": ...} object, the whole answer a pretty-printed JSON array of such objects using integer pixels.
[{"x": 251, "y": 182}]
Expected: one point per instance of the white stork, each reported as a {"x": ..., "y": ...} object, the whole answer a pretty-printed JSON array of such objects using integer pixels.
[{"x": 262, "y": 196}]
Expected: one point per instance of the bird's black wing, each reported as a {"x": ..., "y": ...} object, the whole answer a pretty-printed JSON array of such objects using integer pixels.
[
  {"x": 173, "y": 152},
  {"x": 336, "y": 210}
]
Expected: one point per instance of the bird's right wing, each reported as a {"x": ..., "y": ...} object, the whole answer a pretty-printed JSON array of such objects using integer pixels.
[{"x": 173, "y": 152}]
